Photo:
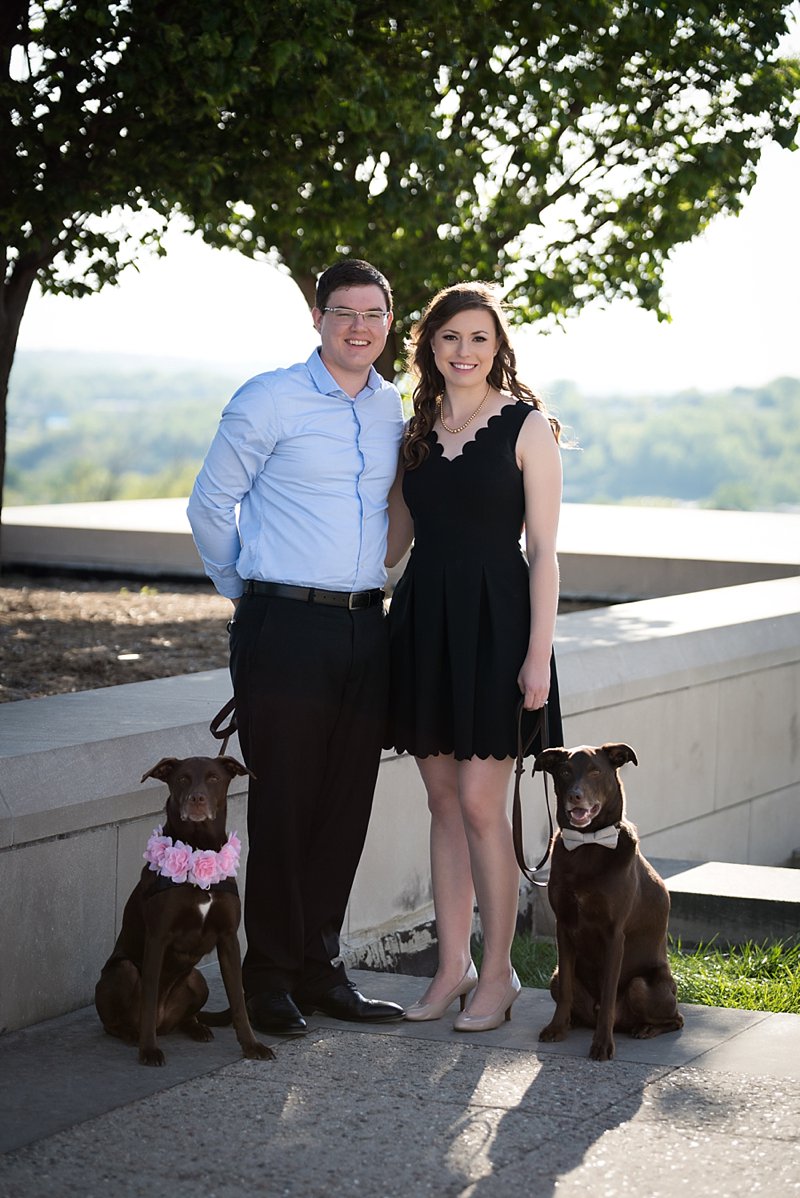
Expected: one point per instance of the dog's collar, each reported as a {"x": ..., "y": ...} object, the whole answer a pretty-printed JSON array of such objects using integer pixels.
[
  {"x": 573, "y": 839},
  {"x": 181, "y": 863},
  {"x": 160, "y": 883}
]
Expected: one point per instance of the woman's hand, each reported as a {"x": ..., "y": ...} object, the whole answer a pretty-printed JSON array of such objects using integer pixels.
[{"x": 533, "y": 681}]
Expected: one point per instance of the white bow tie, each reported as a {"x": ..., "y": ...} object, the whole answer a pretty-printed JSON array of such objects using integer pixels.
[{"x": 608, "y": 837}]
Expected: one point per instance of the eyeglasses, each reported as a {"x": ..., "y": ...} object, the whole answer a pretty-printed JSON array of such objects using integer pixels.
[{"x": 374, "y": 317}]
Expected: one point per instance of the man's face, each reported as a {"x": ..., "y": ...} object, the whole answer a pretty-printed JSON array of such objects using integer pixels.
[{"x": 351, "y": 344}]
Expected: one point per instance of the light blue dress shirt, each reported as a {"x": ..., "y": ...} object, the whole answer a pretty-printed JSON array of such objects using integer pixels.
[{"x": 310, "y": 468}]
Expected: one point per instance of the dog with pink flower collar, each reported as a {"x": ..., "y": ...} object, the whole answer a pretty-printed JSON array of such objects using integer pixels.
[{"x": 185, "y": 904}]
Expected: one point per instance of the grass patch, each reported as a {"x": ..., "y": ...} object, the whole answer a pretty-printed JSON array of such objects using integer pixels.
[{"x": 754, "y": 977}]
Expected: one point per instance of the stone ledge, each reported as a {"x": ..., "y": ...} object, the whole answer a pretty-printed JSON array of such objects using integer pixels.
[
  {"x": 729, "y": 903},
  {"x": 683, "y": 640},
  {"x": 720, "y": 901},
  {"x": 73, "y": 762},
  {"x": 614, "y": 551}
]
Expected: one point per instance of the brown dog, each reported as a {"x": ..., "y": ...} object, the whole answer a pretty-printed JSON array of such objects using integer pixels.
[
  {"x": 184, "y": 905},
  {"x": 611, "y": 908}
]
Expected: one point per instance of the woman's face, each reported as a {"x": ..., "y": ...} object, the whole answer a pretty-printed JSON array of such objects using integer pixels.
[{"x": 464, "y": 348}]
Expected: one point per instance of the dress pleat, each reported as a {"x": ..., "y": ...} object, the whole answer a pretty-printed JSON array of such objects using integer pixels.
[{"x": 460, "y": 615}]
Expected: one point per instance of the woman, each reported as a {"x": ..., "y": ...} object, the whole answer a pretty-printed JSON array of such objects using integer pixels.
[{"x": 471, "y": 625}]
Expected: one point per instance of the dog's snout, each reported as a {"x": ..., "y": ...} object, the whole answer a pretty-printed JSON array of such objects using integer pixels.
[
  {"x": 197, "y": 804},
  {"x": 576, "y": 794}
]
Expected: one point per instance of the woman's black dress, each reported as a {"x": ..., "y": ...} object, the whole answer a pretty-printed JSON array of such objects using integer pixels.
[{"x": 459, "y": 620}]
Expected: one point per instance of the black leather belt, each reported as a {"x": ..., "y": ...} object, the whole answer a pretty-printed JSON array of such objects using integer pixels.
[{"x": 354, "y": 600}]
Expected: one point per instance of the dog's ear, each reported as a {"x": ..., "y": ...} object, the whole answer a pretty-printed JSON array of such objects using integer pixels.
[
  {"x": 548, "y": 759},
  {"x": 162, "y": 769},
  {"x": 619, "y": 754},
  {"x": 234, "y": 767}
]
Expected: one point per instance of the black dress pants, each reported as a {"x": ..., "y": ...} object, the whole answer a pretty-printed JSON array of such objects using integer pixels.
[{"x": 311, "y": 690}]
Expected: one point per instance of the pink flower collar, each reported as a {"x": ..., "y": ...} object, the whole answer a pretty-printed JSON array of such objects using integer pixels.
[{"x": 181, "y": 863}]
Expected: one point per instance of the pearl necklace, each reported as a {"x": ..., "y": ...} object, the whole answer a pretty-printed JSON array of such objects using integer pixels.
[{"x": 460, "y": 427}]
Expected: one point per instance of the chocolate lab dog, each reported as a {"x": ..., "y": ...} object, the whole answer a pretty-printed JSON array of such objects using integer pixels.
[
  {"x": 611, "y": 908},
  {"x": 185, "y": 904}
]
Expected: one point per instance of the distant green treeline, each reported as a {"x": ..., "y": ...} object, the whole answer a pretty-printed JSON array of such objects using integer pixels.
[{"x": 86, "y": 428}]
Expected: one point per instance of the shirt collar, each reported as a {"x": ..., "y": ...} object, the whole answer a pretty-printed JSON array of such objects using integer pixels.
[{"x": 326, "y": 383}]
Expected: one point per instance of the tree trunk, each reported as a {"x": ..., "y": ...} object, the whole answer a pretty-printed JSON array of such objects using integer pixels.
[
  {"x": 13, "y": 298},
  {"x": 308, "y": 285},
  {"x": 387, "y": 363}
]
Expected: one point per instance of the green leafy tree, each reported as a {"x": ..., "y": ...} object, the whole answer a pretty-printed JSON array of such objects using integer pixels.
[{"x": 561, "y": 148}]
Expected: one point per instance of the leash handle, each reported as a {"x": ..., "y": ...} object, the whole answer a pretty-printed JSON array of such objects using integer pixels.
[
  {"x": 224, "y": 734},
  {"x": 541, "y": 730}
]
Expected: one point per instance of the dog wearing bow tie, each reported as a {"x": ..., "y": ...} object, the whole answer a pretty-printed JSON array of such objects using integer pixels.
[{"x": 611, "y": 908}]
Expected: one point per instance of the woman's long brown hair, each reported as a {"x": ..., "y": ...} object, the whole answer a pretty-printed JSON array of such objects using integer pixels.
[{"x": 430, "y": 384}]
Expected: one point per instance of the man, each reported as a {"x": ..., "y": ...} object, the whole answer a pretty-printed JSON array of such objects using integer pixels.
[{"x": 310, "y": 453}]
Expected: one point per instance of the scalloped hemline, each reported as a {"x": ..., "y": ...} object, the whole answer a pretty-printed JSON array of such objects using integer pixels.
[{"x": 452, "y": 753}]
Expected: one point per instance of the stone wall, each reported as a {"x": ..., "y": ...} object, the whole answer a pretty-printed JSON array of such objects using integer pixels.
[{"x": 704, "y": 686}]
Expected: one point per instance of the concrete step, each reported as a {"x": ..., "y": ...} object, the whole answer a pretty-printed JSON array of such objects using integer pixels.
[
  {"x": 716, "y": 900},
  {"x": 731, "y": 903}
]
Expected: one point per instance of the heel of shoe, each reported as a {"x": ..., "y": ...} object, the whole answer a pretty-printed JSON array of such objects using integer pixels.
[
  {"x": 418, "y": 1012},
  {"x": 485, "y": 1023}
]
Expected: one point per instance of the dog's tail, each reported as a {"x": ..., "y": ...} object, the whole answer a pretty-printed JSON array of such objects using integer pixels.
[{"x": 216, "y": 1018}]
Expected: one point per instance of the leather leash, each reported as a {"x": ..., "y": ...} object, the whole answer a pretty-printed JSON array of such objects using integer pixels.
[
  {"x": 540, "y": 729},
  {"x": 224, "y": 734}
]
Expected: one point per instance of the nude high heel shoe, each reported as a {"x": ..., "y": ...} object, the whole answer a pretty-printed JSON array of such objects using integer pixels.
[
  {"x": 485, "y": 1023},
  {"x": 417, "y": 1012}
]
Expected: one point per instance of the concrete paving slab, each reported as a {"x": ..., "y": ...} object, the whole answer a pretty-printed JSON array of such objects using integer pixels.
[
  {"x": 348, "y": 1113},
  {"x": 770, "y": 1048},
  {"x": 405, "y": 1109},
  {"x": 644, "y": 1156},
  {"x": 380, "y": 1115},
  {"x": 707, "y": 1030},
  {"x": 66, "y": 1071}
]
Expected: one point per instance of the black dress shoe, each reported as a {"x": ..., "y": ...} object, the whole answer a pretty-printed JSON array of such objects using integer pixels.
[
  {"x": 274, "y": 1012},
  {"x": 345, "y": 1002}
]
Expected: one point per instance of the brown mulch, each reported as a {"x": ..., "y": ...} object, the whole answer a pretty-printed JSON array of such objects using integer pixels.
[{"x": 75, "y": 634}]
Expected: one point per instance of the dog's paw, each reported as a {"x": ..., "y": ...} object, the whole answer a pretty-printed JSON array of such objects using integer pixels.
[
  {"x": 151, "y": 1056},
  {"x": 552, "y": 1033},
  {"x": 258, "y": 1052},
  {"x": 644, "y": 1031},
  {"x": 196, "y": 1030},
  {"x": 602, "y": 1050}
]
